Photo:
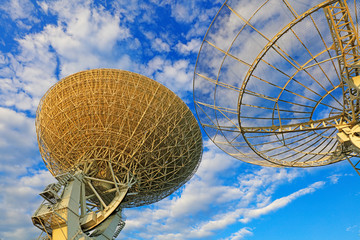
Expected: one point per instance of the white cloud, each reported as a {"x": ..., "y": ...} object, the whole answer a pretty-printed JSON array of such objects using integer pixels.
[
  {"x": 245, "y": 215},
  {"x": 18, "y": 201},
  {"x": 17, "y": 141},
  {"x": 21, "y": 11},
  {"x": 353, "y": 228},
  {"x": 84, "y": 37},
  {"x": 191, "y": 46},
  {"x": 188, "y": 11},
  {"x": 135, "y": 11},
  {"x": 19, "y": 187},
  {"x": 334, "y": 178},
  {"x": 176, "y": 75},
  {"x": 243, "y": 232},
  {"x": 160, "y": 46},
  {"x": 198, "y": 12},
  {"x": 248, "y": 215},
  {"x": 25, "y": 77}
]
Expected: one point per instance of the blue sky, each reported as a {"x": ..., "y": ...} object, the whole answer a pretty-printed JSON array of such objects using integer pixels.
[{"x": 44, "y": 41}]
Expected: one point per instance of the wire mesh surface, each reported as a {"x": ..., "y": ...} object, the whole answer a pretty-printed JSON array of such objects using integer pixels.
[
  {"x": 267, "y": 85},
  {"x": 105, "y": 120}
]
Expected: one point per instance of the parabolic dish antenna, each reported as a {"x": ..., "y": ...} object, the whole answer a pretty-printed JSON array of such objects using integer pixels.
[
  {"x": 113, "y": 139},
  {"x": 277, "y": 82}
]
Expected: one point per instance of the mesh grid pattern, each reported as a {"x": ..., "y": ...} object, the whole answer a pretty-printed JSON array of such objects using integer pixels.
[{"x": 105, "y": 116}]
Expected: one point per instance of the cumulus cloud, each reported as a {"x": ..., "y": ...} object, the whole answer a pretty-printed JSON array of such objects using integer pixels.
[
  {"x": 17, "y": 142},
  {"x": 19, "y": 185},
  {"x": 197, "y": 13},
  {"x": 160, "y": 46},
  {"x": 176, "y": 75},
  {"x": 84, "y": 37},
  {"x": 20, "y": 11},
  {"x": 190, "y": 10},
  {"x": 18, "y": 201},
  {"x": 191, "y": 46}
]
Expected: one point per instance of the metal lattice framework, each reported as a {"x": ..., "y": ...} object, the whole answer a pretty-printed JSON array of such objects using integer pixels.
[
  {"x": 120, "y": 129},
  {"x": 346, "y": 44},
  {"x": 276, "y": 81}
]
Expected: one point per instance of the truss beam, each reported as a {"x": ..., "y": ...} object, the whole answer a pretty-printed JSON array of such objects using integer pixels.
[{"x": 346, "y": 45}]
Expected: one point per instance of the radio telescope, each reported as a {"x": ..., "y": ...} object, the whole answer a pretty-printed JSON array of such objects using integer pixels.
[
  {"x": 277, "y": 83},
  {"x": 113, "y": 139}
]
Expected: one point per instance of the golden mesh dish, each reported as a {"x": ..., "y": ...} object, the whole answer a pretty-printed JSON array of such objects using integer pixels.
[{"x": 106, "y": 120}]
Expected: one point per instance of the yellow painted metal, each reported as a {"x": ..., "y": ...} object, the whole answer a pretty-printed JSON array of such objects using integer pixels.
[
  {"x": 113, "y": 139},
  {"x": 119, "y": 127},
  {"x": 63, "y": 220},
  {"x": 275, "y": 93},
  {"x": 60, "y": 233},
  {"x": 346, "y": 43},
  {"x": 355, "y": 163}
]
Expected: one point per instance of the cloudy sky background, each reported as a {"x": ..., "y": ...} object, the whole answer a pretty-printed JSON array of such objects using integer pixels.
[{"x": 44, "y": 41}]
